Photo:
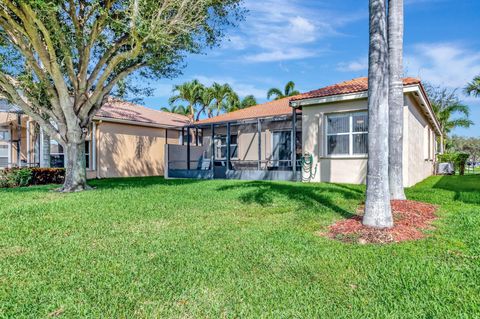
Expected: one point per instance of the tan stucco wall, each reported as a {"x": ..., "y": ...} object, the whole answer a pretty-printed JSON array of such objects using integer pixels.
[
  {"x": 129, "y": 150},
  {"x": 418, "y": 158},
  {"x": 332, "y": 170},
  {"x": 419, "y": 144}
]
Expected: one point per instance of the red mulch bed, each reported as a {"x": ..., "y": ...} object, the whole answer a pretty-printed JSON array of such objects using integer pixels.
[{"x": 410, "y": 220}]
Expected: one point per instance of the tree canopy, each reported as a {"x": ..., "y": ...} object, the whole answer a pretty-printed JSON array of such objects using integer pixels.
[
  {"x": 278, "y": 94},
  {"x": 207, "y": 100},
  {"x": 66, "y": 56},
  {"x": 473, "y": 88},
  {"x": 59, "y": 60},
  {"x": 450, "y": 111}
]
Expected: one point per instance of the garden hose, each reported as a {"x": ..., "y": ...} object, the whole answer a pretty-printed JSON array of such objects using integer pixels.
[{"x": 308, "y": 172}]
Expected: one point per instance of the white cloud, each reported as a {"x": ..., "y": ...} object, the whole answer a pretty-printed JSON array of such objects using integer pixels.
[
  {"x": 282, "y": 30},
  {"x": 234, "y": 42},
  {"x": 353, "y": 66},
  {"x": 162, "y": 90},
  {"x": 242, "y": 89},
  {"x": 281, "y": 55},
  {"x": 446, "y": 64}
]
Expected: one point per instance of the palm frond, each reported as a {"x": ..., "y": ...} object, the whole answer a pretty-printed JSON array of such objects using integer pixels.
[
  {"x": 289, "y": 88},
  {"x": 275, "y": 92},
  {"x": 473, "y": 88}
]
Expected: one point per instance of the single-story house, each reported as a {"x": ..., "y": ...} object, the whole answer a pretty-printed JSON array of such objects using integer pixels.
[
  {"x": 318, "y": 136},
  {"x": 125, "y": 139}
]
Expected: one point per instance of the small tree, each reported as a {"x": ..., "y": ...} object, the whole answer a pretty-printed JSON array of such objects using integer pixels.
[
  {"x": 449, "y": 110},
  {"x": 61, "y": 59}
]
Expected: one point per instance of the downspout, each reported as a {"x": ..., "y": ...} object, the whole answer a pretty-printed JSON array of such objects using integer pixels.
[
  {"x": 94, "y": 148},
  {"x": 29, "y": 152},
  {"x": 19, "y": 138}
]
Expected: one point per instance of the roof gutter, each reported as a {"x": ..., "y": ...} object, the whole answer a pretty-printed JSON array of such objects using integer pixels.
[
  {"x": 420, "y": 94},
  {"x": 329, "y": 99},
  {"x": 137, "y": 123},
  {"x": 417, "y": 89}
]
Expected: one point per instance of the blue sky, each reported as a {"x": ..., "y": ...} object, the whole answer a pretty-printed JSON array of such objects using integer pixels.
[{"x": 321, "y": 42}]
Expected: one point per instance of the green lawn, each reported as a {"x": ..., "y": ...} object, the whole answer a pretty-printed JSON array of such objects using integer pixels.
[{"x": 154, "y": 248}]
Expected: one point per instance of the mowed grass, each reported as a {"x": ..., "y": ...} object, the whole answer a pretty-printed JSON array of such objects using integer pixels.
[{"x": 155, "y": 248}]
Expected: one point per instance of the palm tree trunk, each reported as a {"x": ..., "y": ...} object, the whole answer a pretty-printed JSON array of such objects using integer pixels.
[
  {"x": 395, "y": 98},
  {"x": 378, "y": 212}
]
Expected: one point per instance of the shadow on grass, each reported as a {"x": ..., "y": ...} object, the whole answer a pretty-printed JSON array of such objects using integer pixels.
[
  {"x": 140, "y": 182},
  {"x": 323, "y": 195},
  {"x": 466, "y": 188},
  {"x": 110, "y": 183}
]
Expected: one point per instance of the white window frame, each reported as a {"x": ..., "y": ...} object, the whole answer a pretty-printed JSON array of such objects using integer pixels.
[
  {"x": 218, "y": 148},
  {"x": 57, "y": 154},
  {"x": 9, "y": 145},
  {"x": 88, "y": 151},
  {"x": 350, "y": 154}
]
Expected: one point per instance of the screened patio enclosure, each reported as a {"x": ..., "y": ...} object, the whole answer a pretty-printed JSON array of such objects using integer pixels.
[{"x": 255, "y": 149}]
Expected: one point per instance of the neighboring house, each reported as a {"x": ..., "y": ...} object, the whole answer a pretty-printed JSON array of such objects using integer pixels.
[
  {"x": 330, "y": 138},
  {"x": 124, "y": 139}
]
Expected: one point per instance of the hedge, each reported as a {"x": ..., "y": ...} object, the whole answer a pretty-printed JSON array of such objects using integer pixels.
[{"x": 19, "y": 177}]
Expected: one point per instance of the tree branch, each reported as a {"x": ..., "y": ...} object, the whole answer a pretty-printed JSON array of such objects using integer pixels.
[
  {"x": 9, "y": 89},
  {"x": 89, "y": 112}
]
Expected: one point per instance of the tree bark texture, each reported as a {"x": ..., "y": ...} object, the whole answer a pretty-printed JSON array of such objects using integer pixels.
[
  {"x": 378, "y": 211},
  {"x": 395, "y": 98}
]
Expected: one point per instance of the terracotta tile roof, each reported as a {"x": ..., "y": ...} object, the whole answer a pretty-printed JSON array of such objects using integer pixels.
[
  {"x": 116, "y": 109},
  {"x": 353, "y": 86},
  {"x": 282, "y": 106},
  {"x": 269, "y": 109}
]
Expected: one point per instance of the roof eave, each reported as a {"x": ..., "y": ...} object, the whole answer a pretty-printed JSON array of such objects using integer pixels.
[
  {"x": 137, "y": 123},
  {"x": 417, "y": 87}
]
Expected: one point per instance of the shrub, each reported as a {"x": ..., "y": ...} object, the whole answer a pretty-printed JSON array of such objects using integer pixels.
[
  {"x": 43, "y": 176},
  {"x": 15, "y": 177},
  {"x": 19, "y": 177},
  {"x": 459, "y": 160}
]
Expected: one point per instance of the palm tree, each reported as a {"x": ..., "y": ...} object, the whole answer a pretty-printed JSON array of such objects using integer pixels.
[
  {"x": 473, "y": 88},
  {"x": 206, "y": 102},
  {"x": 177, "y": 109},
  {"x": 288, "y": 91},
  {"x": 233, "y": 102},
  {"x": 378, "y": 211},
  {"x": 395, "y": 98},
  {"x": 248, "y": 101},
  {"x": 450, "y": 112},
  {"x": 220, "y": 94},
  {"x": 190, "y": 92}
]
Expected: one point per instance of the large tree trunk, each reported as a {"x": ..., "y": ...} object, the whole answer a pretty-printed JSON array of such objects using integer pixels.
[
  {"x": 396, "y": 103},
  {"x": 378, "y": 211},
  {"x": 75, "y": 174}
]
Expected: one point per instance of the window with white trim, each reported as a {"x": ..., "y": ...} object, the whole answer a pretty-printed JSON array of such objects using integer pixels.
[
  {"x": 4, "y": 155},
  {"x": 87, "y": 154},
  {"x": 221, "y": 147},
  {"x": 57, "y": 154},
  {"x": 347, "y": 134}
]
